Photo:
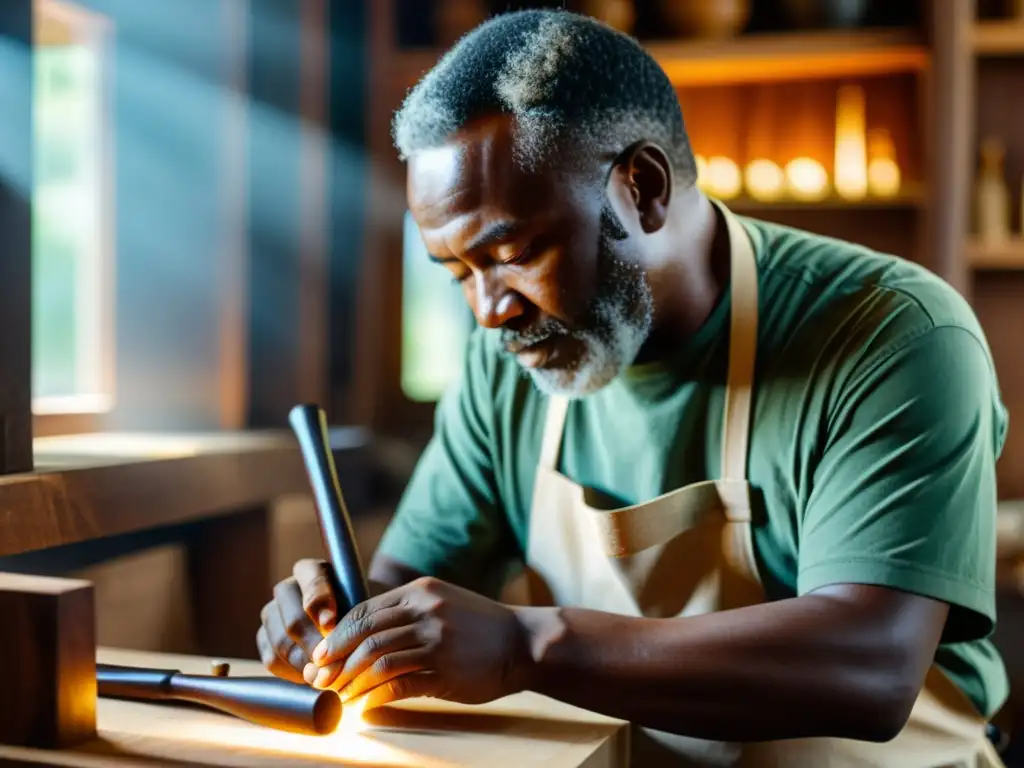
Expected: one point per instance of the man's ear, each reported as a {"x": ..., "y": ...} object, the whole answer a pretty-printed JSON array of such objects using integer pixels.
[{"x": 646, "y": 172}]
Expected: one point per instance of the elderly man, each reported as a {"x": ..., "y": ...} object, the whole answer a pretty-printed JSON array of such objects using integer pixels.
[{"x": 750, "y": 470}]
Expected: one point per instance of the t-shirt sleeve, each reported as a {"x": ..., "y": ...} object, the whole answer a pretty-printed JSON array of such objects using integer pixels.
[
  {"x": 904, "y": 494},
  {"x": 450, "y": 522}
]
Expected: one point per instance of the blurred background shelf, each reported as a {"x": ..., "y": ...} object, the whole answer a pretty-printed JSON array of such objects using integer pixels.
[
  {"x": 797, "y": 56},
  {"x": 912, "y": 197},
  {"x": 998, "y": 38},
  {"x": 1008, "y": 255},
  {"x": 760, "y": 58}
]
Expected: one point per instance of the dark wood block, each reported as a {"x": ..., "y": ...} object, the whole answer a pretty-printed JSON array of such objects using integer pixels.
[
  {"x": 47, "y": 661},
  {"x": 229, "y": 581}
]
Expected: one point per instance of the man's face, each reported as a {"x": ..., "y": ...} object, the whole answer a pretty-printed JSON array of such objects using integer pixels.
[{"x": 540, "y": 255}]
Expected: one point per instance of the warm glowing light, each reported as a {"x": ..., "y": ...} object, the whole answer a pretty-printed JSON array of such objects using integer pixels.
[
  {"x": 764, "y": 180},
  {"x": 702, "y": 171},
  {"x": 343, "y": 747},
  {"x": 851, "y": 173},
  {"x": 883, "y": 171},
  {"x": 352, "y": 717},
  {"x": 147, "y": 445},
  {"x": 120, "y": 444},
  {"x": 724, "y": 179},
  {"x": 806, "y": 179}
]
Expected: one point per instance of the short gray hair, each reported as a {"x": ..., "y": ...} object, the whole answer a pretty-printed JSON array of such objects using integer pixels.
[{"x": 569, "y": 81}]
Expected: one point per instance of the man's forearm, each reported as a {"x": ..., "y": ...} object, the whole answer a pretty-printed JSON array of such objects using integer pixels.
[{"x": 817, "y": 665}]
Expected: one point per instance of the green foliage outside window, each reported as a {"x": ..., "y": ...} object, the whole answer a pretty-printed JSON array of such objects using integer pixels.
[
  {"x": 436, "y": 322},
  {"x": 67, "y": 217}
]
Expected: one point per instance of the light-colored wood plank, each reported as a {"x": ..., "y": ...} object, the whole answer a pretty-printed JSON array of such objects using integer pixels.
[
  {"x": 124, "y": 447},
  {"x": 521, "y": 730},
  {"x": 1008, "y": 255},
  {"x": 998, "y": 38}
]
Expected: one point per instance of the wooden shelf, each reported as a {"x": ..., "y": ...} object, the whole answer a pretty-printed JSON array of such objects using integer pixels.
[
  {"x": 998, "y": 38},
  {"x": 806, "y": 56},
  {"x": 1009, "y": 255},
  {"x": 757, "y": 58},
  {"x": 912, "y": 197},
  {"x": 93, "y": 486}
]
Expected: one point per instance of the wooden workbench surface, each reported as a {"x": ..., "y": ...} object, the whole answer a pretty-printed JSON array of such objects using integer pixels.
[{"x": 522, "y": 731}]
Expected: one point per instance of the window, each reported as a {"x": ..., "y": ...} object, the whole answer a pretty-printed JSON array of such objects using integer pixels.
[
  {"x": 436, "y": 321},
  {"x": 72, "y": 250}
]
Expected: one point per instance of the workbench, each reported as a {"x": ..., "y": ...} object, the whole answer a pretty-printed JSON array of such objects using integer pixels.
[{"x": 521, "y": 731}]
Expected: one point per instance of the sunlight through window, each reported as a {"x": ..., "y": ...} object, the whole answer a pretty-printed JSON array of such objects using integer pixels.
[
  {"x": 72, "y": 213},
  {"x": 436, "y": 321}
]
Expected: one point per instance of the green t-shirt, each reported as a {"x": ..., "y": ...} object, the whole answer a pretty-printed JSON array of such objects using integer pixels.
[{"x": 877, "y": 423}]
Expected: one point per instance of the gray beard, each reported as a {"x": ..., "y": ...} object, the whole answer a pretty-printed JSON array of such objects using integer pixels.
[{"x": 615, "y": 325}]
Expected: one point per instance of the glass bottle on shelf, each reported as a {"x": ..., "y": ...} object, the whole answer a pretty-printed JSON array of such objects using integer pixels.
[
  {"x": 850, "y": 173},
  {"x": 991, "y": 195},
  {"x": 884, "y": 177}
]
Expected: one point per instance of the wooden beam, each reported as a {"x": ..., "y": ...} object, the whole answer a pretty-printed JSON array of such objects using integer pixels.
[
  {"x": 16, "y": 82},
  {"x": 314, "y": 162},
  {"x": 950, "y": 142},
  {"x": 288, "y": 151},
  {"x": 348, "y": 89},
  {"x": 378, "y": 351},
  {"x": 234, "y": 262}
]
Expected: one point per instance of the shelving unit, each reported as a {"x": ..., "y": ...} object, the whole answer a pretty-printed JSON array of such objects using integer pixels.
[
  {"x": 984, "y": 74},
  {"x": 913, "y": 68}
]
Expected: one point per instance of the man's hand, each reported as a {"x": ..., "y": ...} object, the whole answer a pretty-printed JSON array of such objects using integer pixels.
[
  {"x": 427, "y": 638},
  {"x": 303, "y": 610}
]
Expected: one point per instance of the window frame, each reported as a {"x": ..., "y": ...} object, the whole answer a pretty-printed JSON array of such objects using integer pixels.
[{"x": 77, "y": 414}]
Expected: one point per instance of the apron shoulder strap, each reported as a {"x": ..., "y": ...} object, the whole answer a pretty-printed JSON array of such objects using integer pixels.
[
  {"x": 742, "y": 351},
  {"x": 554, "y": 423}
]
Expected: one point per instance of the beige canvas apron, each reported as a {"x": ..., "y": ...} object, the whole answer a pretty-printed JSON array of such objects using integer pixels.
[{"x": 690, "y": 552}]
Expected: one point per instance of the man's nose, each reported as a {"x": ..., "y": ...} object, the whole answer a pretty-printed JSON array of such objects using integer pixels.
[{"x": 496, "y": 304}]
